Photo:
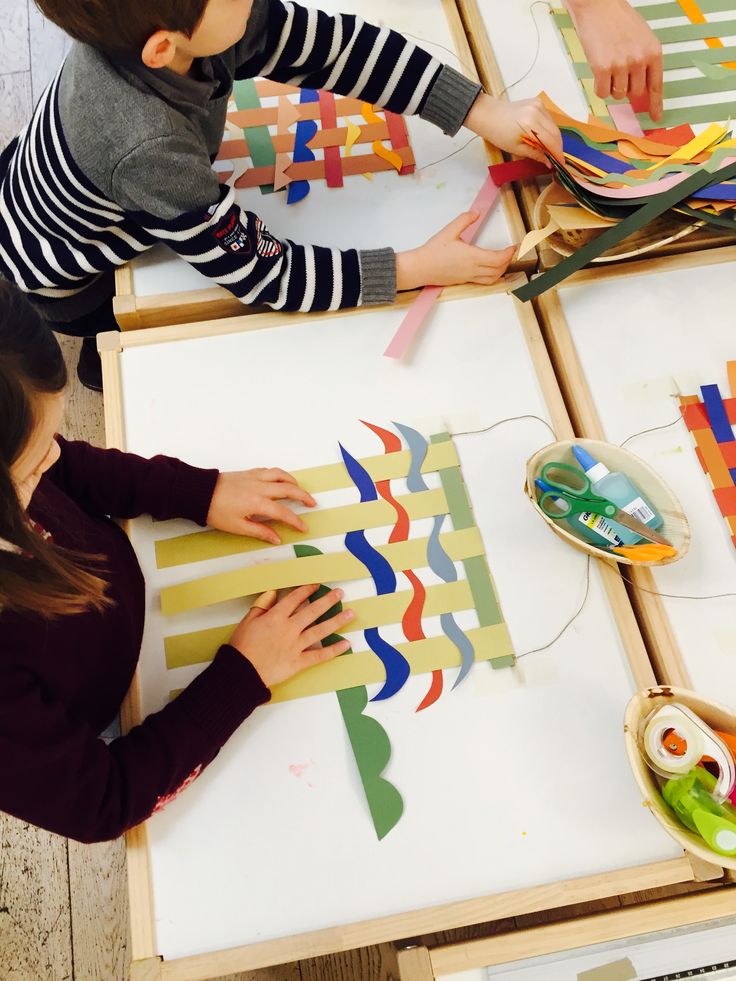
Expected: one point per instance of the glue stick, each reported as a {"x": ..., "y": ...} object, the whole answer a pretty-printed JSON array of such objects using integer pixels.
[
  {"x": 619, "y": 489},
  {"x": 592, "y": 528}
]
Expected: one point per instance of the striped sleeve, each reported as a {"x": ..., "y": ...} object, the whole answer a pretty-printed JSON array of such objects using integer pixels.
[{"x": 344, "y": 54}]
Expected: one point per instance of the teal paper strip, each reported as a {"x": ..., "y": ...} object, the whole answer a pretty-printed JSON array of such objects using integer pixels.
[{"x": 627, "y": 226}]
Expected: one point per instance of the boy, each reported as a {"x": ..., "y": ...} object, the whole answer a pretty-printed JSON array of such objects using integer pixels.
[{"x": 118, "y": 156}]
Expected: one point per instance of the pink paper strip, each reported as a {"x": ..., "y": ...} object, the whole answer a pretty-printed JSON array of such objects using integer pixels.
[
  {"x": 625, "y": 119},
  {"x": 420, "y": 308}
]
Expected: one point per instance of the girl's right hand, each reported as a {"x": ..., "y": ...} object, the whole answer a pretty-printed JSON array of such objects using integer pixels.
[{"x": 286, "y": 639}]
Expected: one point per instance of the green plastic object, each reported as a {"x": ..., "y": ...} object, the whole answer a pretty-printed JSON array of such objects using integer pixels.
[{"x": 690, "y": 798}]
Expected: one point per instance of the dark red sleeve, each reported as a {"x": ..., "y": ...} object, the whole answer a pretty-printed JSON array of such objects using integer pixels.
[
  {"x": 123, "y": 485},
  {"x": 58, "y": 775}
]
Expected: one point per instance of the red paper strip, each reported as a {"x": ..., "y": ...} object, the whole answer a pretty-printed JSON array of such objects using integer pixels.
[
  {"x": 726, "y": 500},
  {"x": 677, "y": 136},
  {"x": 517, "y": 170},
  {"x": 333, "y": 163},
  {"x": 728, "y": 452},
  {"x": 696, "y": 417}
]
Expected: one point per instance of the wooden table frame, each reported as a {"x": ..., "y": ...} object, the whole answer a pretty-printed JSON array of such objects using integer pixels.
[
  {"x": 653, "y": 620},
  {"x": 147, "y": 964},
  {"x": 421, "y": 963},
  {"x": 493, "y": 82},
  {"x": 134, "y": 312}
]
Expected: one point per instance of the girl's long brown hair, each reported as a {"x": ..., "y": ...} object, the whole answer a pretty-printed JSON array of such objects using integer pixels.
[{"x": 39, "y": 578}]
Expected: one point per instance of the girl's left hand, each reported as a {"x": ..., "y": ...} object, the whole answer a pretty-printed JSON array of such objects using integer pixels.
[{"x": 245, "y": 500}]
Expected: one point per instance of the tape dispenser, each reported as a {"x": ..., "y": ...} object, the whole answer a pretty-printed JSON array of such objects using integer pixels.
[{"x": 674, "y": 740}]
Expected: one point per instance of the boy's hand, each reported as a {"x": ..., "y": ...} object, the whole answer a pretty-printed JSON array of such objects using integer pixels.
[
  {"x": 446, "y": 260},
  {"x": 623, "y": 50},
  {"x": 505, "y": 124},
  {"x": 242, "y": 500},
  {"x": 284, "y": 640}
]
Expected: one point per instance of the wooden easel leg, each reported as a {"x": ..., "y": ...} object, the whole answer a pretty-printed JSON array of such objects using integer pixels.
[{"x": 414, "y": 963}]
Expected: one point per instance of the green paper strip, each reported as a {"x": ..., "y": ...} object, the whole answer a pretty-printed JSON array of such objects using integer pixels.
[
  {"x": 717, "y": 112},
  {"x": 716, "y": 71},
  {"x": 627, "y": 226},
  {"x": 719, "y": 221},
  {"x": 260, "y": 144},
  {"x": 330, "y": 567},
  {"x": 323, "y": 523},
  {"x": 476, "y": 567},
  {"x": 369, "y": 740},
  {"x": 684, "y": 88},
  {"x": 372, "y": 751},
  {"x": 657, "y": 11},
  {"x": 675, "y": 60},
  {"x": 200, "y": 646}
]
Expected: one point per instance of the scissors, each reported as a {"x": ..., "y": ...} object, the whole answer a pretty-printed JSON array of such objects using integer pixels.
[{"x": 572, "y": 493}]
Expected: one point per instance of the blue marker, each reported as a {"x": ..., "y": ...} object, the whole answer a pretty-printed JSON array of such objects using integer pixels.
[{"x": 592, "y": 528}]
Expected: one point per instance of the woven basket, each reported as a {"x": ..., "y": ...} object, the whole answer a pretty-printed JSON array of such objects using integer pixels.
[
  {"x": 675, "y": 529},
  {"x": 714, "y": 715},
  {"x": 657, "y": 233}
]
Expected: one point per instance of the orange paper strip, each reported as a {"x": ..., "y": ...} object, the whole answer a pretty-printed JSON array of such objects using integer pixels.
[
  {"x": 714, "y": 462},
  {"x": 315, "y": 169},
  {"x": 306, "y": 110},
  {"x": 731, "y": 369}
]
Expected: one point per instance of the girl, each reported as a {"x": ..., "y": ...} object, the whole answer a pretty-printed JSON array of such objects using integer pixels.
[{"x": 72, "y": 607}]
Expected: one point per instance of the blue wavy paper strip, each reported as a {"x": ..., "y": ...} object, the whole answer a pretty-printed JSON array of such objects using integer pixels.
[
  {"x": 306, "y": 130},
  {"x": 395, "y": 664},
  {"x": 418, "y": 447},
  {"x": 380, "y": 569},
  {"x": 442, "y": 565},
  {"x": 359, "y": 476}
]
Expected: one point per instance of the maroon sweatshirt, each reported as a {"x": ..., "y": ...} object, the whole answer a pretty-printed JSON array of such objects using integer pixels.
[{"x": 62, "y": 681}]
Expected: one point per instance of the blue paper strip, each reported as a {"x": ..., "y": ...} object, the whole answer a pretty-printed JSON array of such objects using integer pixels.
[
  {"x": 359, "y": 476},
  {"x": 396, "y": 665},
  {"x": 418, "y": 446},
  {"x": 305, "y": 131},
  {"x": 717, "y": 415},
  {"x": 380, "y": 569},
  {"x": 611, "y": 165}
]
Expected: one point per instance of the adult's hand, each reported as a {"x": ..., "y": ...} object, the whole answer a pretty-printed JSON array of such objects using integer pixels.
[{"x": 622, "y": 50}]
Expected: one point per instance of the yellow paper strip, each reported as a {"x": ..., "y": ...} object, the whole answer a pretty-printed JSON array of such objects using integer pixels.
[
  {"x": 387, "y": 466},
  {"x": 535, "y": 237},
  {"x": 329, "y": 568},
  {"x": 200, "y": 646},
  {"x": 364, "y": 668},
  {"x": 574, "y": 46},
  {"x": 202, "y": 545},
  {"x": 599, "y": 107},
  {"x": 693, "y": 148}
]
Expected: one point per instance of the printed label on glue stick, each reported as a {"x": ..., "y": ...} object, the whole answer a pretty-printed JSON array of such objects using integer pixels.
[
  {"x": 598, "y": 524},
  {"x": 640, "y": 510}
]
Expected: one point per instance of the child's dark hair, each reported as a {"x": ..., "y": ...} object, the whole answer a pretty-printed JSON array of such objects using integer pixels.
[
  {"x": 121, "y": 27},
  {"x": 36, "y": 576}
]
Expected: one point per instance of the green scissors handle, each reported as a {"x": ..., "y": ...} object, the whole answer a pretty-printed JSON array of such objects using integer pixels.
[{"x": 571, "y": 493}]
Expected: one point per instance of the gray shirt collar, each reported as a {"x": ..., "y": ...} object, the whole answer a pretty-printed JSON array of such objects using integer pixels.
[{"x": 196, "y": 89}]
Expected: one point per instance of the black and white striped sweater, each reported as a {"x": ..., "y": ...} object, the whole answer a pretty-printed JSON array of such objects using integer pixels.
[{"x": 117, "y": 157}]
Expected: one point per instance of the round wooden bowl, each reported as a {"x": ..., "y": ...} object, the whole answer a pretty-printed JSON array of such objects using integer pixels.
[
  {"x": 714, "y": 715},
  {"x": 659, "y": 232},
  {"x": 675, "y": 528}
]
